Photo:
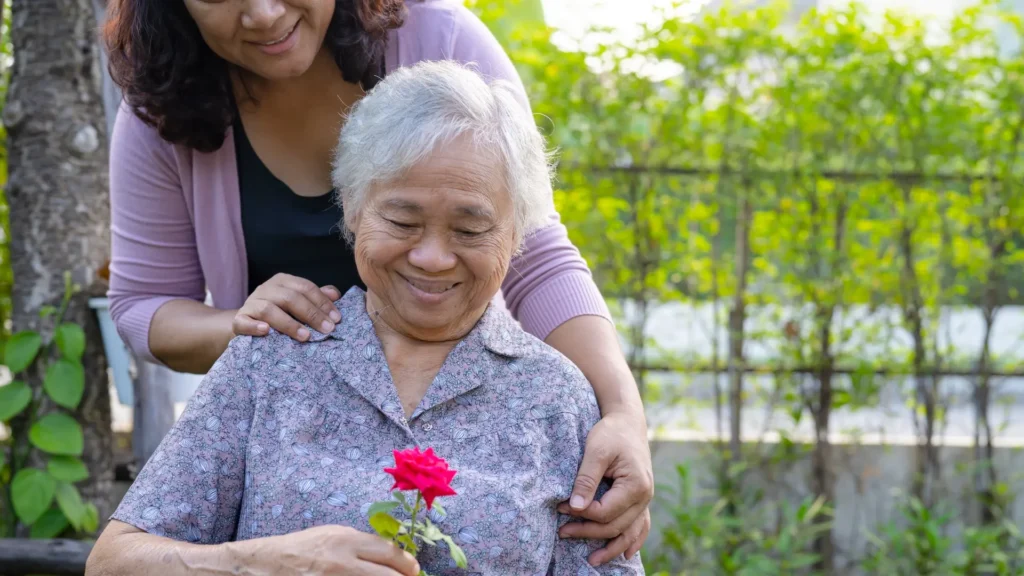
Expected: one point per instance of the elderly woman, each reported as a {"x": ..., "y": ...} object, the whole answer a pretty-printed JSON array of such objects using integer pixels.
[{"x": 272, "y": 466}]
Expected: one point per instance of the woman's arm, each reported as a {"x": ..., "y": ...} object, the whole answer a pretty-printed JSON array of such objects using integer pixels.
[
  {"x": 125, "y": 550},
  {"x": 154, "y": 260}
]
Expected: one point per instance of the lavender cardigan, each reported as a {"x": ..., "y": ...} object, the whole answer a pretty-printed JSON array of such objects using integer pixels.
[{"x": 176, "y": 229}]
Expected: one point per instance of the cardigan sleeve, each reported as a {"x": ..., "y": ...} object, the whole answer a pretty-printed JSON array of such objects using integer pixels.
[
  {"x": 152, "y": 238},
  {"x": 549, "y": 282}
]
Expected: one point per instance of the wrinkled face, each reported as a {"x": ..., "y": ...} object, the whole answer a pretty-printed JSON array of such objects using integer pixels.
[
  {"x": 434, "y": 247},
  {"x": 273, "y": 39}
]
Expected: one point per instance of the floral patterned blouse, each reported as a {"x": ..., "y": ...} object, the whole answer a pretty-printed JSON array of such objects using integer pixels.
[{"x": 282, "y": 436}]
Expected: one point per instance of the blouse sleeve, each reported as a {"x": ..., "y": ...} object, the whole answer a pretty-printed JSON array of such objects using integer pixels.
[
  {"x": 570, "y": 555},
  {"x": 191, "y": 488},
  {"x": 549, "y": 283},
  {"x": 152, "y": 239}
]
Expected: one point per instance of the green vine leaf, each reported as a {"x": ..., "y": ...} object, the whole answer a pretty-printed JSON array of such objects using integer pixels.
[
  {"x": 67, "y": 469},
  {"x": 21, "y": 349},
  {"x": 57, "y": 433},
  {"x": 70, "y": 340},
  {"x": 50, "y": 524},
  {"x": 65, "y": 382},
  {"x": 14, "y": 397},
  {"x": 32, "y": 491},
  {"x": 70, "y": 502}
]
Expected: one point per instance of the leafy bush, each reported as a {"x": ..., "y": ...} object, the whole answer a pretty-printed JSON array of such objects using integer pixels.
[{"x": 38, "y": 470}]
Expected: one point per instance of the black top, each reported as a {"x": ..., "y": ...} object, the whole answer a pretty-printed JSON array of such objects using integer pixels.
[{"x": 288, "y": 233}]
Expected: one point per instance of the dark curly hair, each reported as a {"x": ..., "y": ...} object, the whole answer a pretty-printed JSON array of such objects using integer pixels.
[{"x": 174, "y": 82}]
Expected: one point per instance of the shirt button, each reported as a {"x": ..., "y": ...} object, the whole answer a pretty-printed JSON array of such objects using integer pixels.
[{"x": 428, "y": 427}]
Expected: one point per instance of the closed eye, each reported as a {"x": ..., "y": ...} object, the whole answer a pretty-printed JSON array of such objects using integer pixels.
[{"x": 402, "y": 225}]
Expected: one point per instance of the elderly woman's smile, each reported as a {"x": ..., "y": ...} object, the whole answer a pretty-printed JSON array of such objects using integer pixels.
[{"x": 434, "y": 246}]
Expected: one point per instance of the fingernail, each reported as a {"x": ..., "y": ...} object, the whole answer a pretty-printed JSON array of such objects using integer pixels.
[
  {"x": 303, "y": 334},
  {"x": 335, "y": 315},
  {"x": 262, "y": 327},
  {"x": 576, "y": 502},
  {"x": 326, "y": 327}
]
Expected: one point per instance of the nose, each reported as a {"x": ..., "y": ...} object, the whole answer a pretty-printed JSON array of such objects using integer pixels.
[
  {"x": 262, "y": 14},
  {"x": 431, "y": 254}
]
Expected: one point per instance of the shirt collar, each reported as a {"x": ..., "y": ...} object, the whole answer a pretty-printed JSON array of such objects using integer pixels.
[{"x": 496, "y": 331}]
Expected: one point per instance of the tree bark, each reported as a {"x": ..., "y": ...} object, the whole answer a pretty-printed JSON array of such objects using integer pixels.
[{"x": 57, "y": 193}]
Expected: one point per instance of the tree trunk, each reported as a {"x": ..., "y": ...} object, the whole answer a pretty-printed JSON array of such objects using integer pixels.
[{"x": 57, "y": 193}]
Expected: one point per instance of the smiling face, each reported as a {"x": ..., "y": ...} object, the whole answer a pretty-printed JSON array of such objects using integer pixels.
[
  {"x": 273, "y": 39},
  {"x": 434, "y": 247}
]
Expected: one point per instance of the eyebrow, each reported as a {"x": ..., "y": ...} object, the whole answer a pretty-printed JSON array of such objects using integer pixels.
[
  {"x": 403, "y": 205},
  {"x": 478, "y": 212}
]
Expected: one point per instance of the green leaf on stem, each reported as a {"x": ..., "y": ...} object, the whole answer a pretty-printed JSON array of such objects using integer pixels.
[
  {"x": 31, "y": 494},
  {"x": 64, "y": 382},
  {"x": 21, "y": 350},
  {"x": 47, "y": 311},
  {"x": 14, "y": 397},
  {"x": 385, "y": 506},
  {"x": 70, "y": 340},
  {"x": 400, "y": 496},
  {"x": 49, "y": 525},
  {"x": 456, "y": 553},
  {"x": 57, "y": 433},
  {"x": 70, "y": 502},
  {"x": 92, "y": 518},
  {"x": 67, "y": 468},
  {"x": 385, "y": 525},
  {"x": 408, "y": 544}
]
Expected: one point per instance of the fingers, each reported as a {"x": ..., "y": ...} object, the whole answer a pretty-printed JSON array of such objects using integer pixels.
[
  {"x": 596, "y": 460},
  {"x": 604, "y": 530},
  {"x": 642, "y": 537},
  {"x": 334, "y": 294},
  {"x": 287, "y": 303},
  {"x": 627, "y": 544},
  {"x": 306, "y": 302},
  {"x": 622, "y": 499},
  {"x": 376, "y": 550},
  {"x": 267, "y": 312},
  {"x": 249, "y": 326}
]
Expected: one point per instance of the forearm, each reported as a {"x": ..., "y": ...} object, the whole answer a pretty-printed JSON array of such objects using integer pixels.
[
  {"x": 124, "y": 550},
  {"x": 591, "y": 343},
  {"x": 189, "y": 336}
]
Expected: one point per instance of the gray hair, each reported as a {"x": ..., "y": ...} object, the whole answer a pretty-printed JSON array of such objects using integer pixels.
[{"x": 415, "y": 110}]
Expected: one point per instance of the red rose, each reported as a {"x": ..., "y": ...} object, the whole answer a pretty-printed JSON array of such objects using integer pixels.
[{"x": 423, "y": 471}]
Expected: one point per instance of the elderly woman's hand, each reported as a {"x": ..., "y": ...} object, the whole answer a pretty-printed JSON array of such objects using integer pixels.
[
  {"x": 332, "y": 550},
  {"x": 616, "y": 448},
  {"x": 288, "y": 304}
]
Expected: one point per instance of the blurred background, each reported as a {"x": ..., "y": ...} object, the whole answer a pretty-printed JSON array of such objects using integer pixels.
[{"x": 807, "y": 218}]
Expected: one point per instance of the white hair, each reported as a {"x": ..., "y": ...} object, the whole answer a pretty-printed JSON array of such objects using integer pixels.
[{"x": 417, "y": 109}]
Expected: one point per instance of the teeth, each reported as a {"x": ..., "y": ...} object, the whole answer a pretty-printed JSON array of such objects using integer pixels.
[
  {"x": 432, "y": 288},
  {"x": 279, "y": 40}
]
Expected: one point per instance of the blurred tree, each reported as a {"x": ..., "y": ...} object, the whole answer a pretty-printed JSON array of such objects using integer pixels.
[{"x": 57, "y": 193}]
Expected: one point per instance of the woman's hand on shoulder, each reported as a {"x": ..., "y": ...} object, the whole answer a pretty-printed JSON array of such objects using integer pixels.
[
  {"x": 617, "y": 449},
  {"x": 328, "y": 550},
  {"x": 288, "y": 304}
]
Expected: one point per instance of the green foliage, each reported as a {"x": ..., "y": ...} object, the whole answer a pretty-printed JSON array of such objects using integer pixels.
[
  {"x": 26, "y": 489},
  {"x": 734, "y": 531},
  {"x": 920, "y": 544},
  {"x": 880, "y": 158}
]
